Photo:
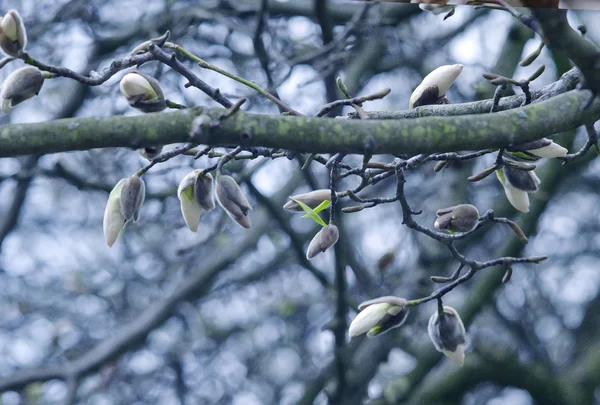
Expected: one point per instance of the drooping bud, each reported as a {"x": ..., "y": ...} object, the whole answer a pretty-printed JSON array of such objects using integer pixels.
[
  {"x": 460, "y": 218},
  {"x": 432, "y": 89},
  {"x": 143, "y": 92},
  {"x": 123, "y": 206},
  {"x": 13, "y": 37},
  {"x": 232, "y": 200},
  {"x": 21, "y": 85},
  {"x": 323, "y": 240},
  {"x": 447, "y": 332},
  {"x": 517, "y": 184},
  {"x": 378, "y": 316},
  {"x": 312, "y": 199},
  {"x": 133, "y": 195},
  {"x": 203, "y": 191},
  {"x": 113, "y": 218},
  {"x": 190, "y": 209},
  {"x": 150, "y": 152}
]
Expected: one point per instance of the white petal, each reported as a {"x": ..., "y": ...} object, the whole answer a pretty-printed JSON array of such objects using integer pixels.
[
  {"x": 133, "y": 85},
  {"x": 442, "y": 77},
  {"x": 457, "y": 356},
  {"x": 10, "y": 26},
  {"x": 113, "y": 219},
  {"x": 191, "y": 212},
  {"x": 367, "y": 319},
  {"x": 518, "y": 198},
  {"x": 551, "y": 151}
]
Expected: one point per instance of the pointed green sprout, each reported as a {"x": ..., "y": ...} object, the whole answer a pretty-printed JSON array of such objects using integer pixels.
[{"x": 314, "y": 214}]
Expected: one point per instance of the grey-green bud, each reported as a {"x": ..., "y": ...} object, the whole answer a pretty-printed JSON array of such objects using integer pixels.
[
  {"x": 13, "y": 37},
  {"x": 231, "y": 198},
  {"x": 459, "y": 218},
  {"x": 143, "y": 92},
  {"x": 323, "y": 240},
  {"x": 21, "y": 85}
]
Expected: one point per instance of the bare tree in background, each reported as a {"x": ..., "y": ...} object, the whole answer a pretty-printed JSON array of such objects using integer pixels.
[{"x": 442, "y": 156}]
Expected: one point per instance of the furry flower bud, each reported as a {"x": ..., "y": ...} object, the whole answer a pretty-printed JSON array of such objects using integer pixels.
[
  {"x": 143, "y": 92},
  {"x": 231, "y": 198},
  {"x": 323, "y": 240},
  {"x": 13, "y": 37},
  {"x": 21, "y": 85},
  {"x": 378, "y": 316},
  {"x": 432, "y": 89},
  {"x": 123, "y": 206},
  {"x": 459, "y": 218},
  {"x": 113, "y": 218},
  {"x": 313, "y": 199},
  {"x": 133, "y": 195},
  {"x": 195, "y": 193},
  {"x": 517, "y": 184},
  {"x": 447, "y": 332}
]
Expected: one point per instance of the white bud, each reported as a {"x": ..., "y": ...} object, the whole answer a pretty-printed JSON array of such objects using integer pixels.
[
  {"x": 379, "y": 316},
  {"x": 313, "y": 199},
  {"x": 21, "y": 85},
  {"x": 142, "y": 92},
  {"x": 231, "y": 198},
  {"x": 518, "y": 197},
  {"x": 447, "y": 332},
  {"x": 190, "y": 209},
  {"x": 113, "y": 218},
  {"x": 13, "y": 37},
  {"x": 323, "y": 240},
  {"x": 435, "y": 85},
  {"x": 553, "y": 150}
]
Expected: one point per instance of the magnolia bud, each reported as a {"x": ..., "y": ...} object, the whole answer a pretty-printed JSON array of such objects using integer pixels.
[
  {"x": 150, "y": 152},
  {"x": 460, "y": 218},
  {"x": 203, "y": 192},
  {"x": 20, "y": 85},
  {"x": 190, "y": 209},
  {"x": 447, "y": 332},
  {"x": 232, "y": 200},
  {"x": 13, "y": 37},
  {"x": 313, "y": 199},
  {"x": 113, "y": 218},
  {"x": 323, "y": 240},
  {"x": 552, "y": 150},
  {"x": 133, "y": 194},
  {"x": 143, "y": 92},
  {"x": 432, "y": 89},
  {"x": 379, "y": 316},
  {"x": 517, "y": 184}
]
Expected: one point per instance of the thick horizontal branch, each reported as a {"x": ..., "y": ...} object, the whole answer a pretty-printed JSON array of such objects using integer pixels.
[{"x": 308, "y": 134}]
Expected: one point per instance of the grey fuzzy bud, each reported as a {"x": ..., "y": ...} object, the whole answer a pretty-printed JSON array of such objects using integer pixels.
[
  {"x": 21, "y": 85},
  {"x": 313, "y": 199},
  {"x": 232, "y": 200},
  {"x": 522, "y": 180},
  {"x": 323, "y": 240},
  {"x": 143, "y": 92},
  {"x": 13, "y": 37},
  {"x": 133, "y": 194},
  {"x": 447, "y": 332},
  {"x": 203, "y": 192},
  {"x": 459, "y": 218}
]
